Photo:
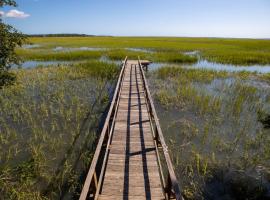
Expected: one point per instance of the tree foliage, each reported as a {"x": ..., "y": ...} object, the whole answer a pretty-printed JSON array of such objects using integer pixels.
[
  {"x": 10, "y": 38},
  {"x": 7, "y": 3}
]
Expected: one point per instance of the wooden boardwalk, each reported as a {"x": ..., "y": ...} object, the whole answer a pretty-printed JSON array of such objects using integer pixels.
[{"x": 130, "y": 168}]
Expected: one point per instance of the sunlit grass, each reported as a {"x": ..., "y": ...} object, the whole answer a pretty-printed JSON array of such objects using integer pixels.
[
  {"x": 46, "y": 55},
  {"x": 186, "y": 75},
  {"x": 214, "y": 125},
  {"x": 48, "y": 118},
  {"x": 48, "y": 123},
  {"x": 234, "y": 51}
]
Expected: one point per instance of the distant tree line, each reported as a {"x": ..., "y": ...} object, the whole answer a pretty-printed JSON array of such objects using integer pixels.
[
  {"x": 60, "y": 35},
  {"x": 64, "y": 35}
]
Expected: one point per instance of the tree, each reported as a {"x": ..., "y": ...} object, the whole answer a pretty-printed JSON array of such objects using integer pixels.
[
  {"x": 10, "y": 38},
  {"x": 7, "y": 3}
]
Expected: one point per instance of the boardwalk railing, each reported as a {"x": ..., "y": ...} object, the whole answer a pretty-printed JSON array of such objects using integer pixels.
[
  {"x": 93, "y": 180},
  {"x": 171, "y": 187}
]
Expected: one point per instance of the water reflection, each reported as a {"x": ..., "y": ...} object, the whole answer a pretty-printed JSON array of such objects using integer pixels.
[
  {"x": 32, "y": 64},
  {"x": 66, "y": 49},
  {"x": 140, "y": 50},
  {"x": 204, "y": 64},
  {"x": 30, "y": 46}
]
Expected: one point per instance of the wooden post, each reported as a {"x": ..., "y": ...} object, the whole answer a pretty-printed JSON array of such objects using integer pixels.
[
  {"x": 169, "y": 188},
  {"x": 95, "y": 179}
]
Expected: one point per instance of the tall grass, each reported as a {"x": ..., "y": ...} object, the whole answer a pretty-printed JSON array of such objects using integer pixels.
[
  {"x": 45, "y": 55},
  {"x": 215, "y": 129},
  {"x": 114, "y": 54},
  {"x": 238, "y": 57},
  {"x": 120, "y": 54},
  {"x": 234, "y": 51},
  {"x": 172, "y": 57},
  {"x": 48, "y": 124},
  {"x": 98, "y": 69},
  {"x": 186, "y": 75}
]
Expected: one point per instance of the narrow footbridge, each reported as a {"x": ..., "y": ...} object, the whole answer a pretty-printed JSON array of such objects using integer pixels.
[{"x": 131, "y": 160}]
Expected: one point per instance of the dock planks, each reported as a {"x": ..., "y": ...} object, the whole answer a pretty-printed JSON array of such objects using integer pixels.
[
  {"x": 126, "y": 163},
  {"x": 132, "y": 170}
]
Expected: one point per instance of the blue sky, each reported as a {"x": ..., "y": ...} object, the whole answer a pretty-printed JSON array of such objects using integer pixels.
[{"x": 195, "y": 18}]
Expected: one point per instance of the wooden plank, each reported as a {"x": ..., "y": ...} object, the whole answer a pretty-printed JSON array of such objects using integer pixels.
[
  {"x": 172, "y": 175},
  {"x": 133, "y": 108},
  {"x": 135, "y": 156},
  {"x": 132, "y": 169},
  {"x": 92, "y": 169},
  {"x": 132, "y": 140},
  {"x": 136, "y": 191},
  {"x": 135, "y": 163},
  {"x": 146, "y": 143},
  {"x": 130, "y": 196}
]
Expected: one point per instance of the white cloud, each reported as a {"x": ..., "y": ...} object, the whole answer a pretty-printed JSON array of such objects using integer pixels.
[
  {"x": 1, "y": 13},
  {"x": 16, "y": 14}
]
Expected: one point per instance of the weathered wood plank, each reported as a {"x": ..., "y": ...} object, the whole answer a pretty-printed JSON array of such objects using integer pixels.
[
  {"x": 130, "y": 196},
  {"x": 136, "y": 191},
  {"x": 132, "y": 147},
  {"x": 136, "y": 163}
]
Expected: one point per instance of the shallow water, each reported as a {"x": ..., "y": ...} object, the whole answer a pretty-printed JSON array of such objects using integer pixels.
[
  {"x": 184, "y": 131},
  {"x": 140, "y": 50},
  {"x": 153, "y": 66},
  {"x": 204, "y": 64},
  {"x": 106, "y": 59},
  {"x": 66, "y": 49},
  {"x": 73, "y": 109},
  {"x": 32, "y": 64},
  {"x": 31, "y": 46},
  {"x": 191, "y": 53}
]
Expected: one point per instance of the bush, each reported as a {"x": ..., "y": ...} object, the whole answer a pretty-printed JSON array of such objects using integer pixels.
[{"x": 6, "y": 78}]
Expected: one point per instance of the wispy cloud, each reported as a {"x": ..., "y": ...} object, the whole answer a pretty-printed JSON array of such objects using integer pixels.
[
  {"x": 16, "y": 14},
  {"x": 2, "y": 13}
]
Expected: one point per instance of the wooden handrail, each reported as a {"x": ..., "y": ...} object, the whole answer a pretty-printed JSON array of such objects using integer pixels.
[
  {"x": 94, "y": 162},
  {"x": 172, "y": 176}
]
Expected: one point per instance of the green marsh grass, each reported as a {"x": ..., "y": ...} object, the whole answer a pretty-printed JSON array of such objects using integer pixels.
[
  {"x": 238, "y": 57},
  {"x": 217, "y": 141},
  {"x": 48, "y": 124},
  {"x": 114, "y": 54},
  {"x": 265, "y": 77},
  {"x": 233, "y": 51},
  {"x": 45, "y": 55},
  {"x": 215, "y": 132},
  {"x": 119, "y": 54},
  {"x": 172, "y": 57}
]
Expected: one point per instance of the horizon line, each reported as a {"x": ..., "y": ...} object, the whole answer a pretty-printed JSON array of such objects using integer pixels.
[{"x": 164, "y": 36}]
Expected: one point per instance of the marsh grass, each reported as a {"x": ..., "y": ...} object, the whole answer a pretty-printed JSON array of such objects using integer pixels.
[
  {"x": 48, "y": 124},
  {"x": 98, "y": 69},
  {"x": 119, "y": 54},
  {"x": 238, "y": 57},
  {"x": 172, "y": 57},
  {"x": 265, "y": 77},
  {"x": 219, "y": 145},
  {"x": 229, "y": 51},
  {"x": 47, "y": 55},
  {"x": 186, "y": 75},
  {"x": 113, "y": 54}
]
